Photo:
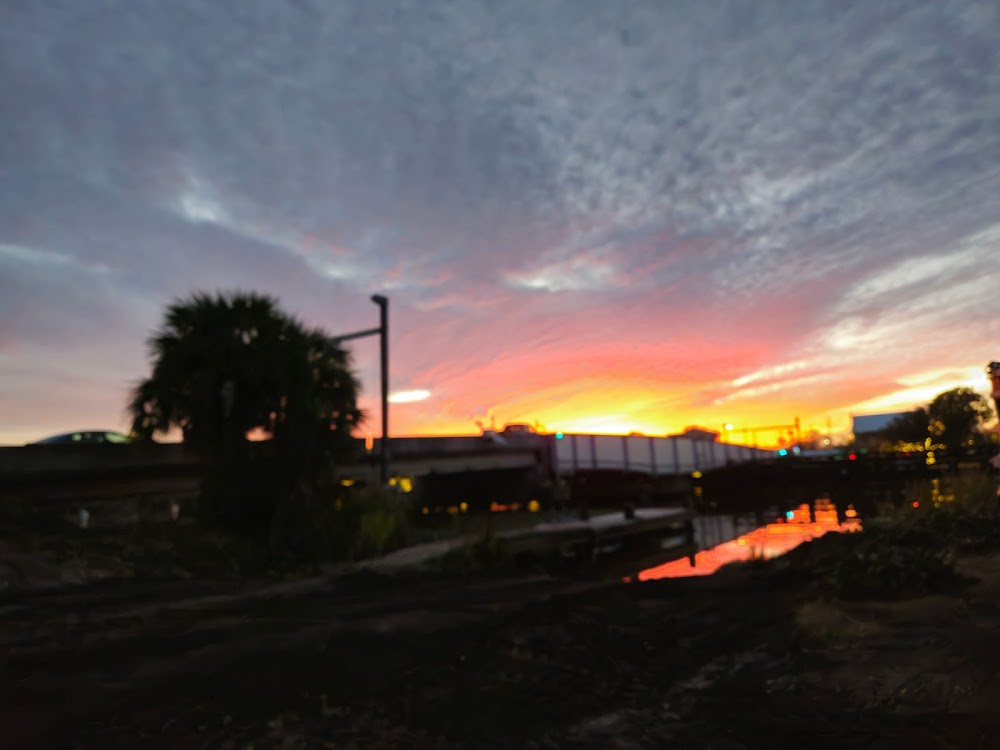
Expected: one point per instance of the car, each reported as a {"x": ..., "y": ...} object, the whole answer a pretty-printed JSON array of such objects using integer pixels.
[{"x": 85, "y": 437}]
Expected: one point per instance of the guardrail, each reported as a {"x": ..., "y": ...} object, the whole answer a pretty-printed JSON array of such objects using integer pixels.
[{"x": 51, "y": 461}]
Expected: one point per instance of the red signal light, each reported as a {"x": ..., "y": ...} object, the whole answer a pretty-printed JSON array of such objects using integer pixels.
[{"x": 853, "y": 457}]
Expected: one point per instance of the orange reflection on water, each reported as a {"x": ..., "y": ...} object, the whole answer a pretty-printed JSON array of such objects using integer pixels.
[{"x": 766, "y": 542}]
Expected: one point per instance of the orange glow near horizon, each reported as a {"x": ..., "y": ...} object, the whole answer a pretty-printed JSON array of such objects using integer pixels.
[
  {"x": 618, "y": 407},
  {"x": 601, "y": 417},
  {"x": 556, "y": 391}
]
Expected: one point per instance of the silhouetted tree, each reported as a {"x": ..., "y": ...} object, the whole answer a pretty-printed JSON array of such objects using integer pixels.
[
  {"x": 909, "y": 427},
  {"x": 956, "y": 416},
  {"x": 229, "y": 365}
]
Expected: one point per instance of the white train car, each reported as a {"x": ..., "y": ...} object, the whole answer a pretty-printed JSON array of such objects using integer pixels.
[{"x": 658, "y": 456}]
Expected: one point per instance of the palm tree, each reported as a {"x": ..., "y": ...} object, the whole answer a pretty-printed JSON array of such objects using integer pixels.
[{"x": 227, "y": 365}]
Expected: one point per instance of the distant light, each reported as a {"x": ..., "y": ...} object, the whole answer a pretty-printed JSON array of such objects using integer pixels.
[
  {"x": 696, "y": 474},
  {"x": 408, "y": 397},
  {"x": 782, "y": 452},
  {"x": 853, "y": 457},
  {"x": 789, "y": 514},
  {"x": 559, "y": 436},
  {"x": 729, "y": 426},
  {"x": 826, "y": 441},
  {"x": 916, "y": 503},
  {"x": 534, "y": 506},
  {"x": 463, "y": 506}
]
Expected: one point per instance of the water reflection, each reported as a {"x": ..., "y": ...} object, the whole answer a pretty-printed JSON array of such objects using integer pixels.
[{"x": 773, "y": 539}]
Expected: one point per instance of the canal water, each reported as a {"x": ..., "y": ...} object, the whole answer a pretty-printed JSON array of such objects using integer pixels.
[{"x": 729, "y": 539}]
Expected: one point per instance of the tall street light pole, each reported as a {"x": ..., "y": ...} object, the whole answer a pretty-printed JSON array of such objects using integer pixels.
[
  {"x": 383, "y": 333},
  {"x": 993, "y": 370},
  {"x": 383, "y": 317}
]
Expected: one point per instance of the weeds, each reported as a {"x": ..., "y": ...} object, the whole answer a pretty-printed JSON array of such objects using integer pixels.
[
  {"x": 827, "y": 622},
  {"x": 881, "y": 570},
  {"x": 326, "y": 529},
  {"x": 959, "y": 517},
  {"x": 350, "y": 526},
  {"x": 483, "y": 555},
  {"x": 910, "y": 550}
]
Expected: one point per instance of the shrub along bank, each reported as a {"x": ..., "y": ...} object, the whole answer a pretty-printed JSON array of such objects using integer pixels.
[{"x": 912, "y": 549}]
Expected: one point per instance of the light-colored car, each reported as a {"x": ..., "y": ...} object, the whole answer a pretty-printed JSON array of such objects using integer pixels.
[{"x": 85, "y": 437}]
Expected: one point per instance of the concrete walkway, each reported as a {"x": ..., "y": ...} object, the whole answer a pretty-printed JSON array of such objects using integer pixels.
[{"x": 421, "y": 554}]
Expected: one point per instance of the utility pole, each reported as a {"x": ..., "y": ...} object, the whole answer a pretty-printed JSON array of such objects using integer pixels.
[
  {"x": 383, "y": 317},
  {"x": 993, "y": 370},
  {"x": 383, "y": 333}
]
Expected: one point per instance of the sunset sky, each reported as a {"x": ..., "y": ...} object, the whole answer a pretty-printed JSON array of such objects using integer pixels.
[{"x": 600, "y": 216}]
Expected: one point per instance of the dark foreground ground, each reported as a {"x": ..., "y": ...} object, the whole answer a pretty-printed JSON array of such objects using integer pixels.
[{"x": 754, "y": 657}]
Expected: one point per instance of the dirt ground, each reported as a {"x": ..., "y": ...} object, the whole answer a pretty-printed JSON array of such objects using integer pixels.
[{"x": 753, "y": 657}]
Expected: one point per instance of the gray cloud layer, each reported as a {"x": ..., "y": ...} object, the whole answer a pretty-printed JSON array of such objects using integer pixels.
[{"x": 571, "y": 169}]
